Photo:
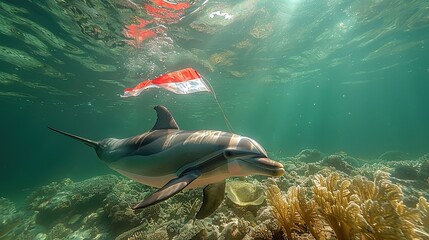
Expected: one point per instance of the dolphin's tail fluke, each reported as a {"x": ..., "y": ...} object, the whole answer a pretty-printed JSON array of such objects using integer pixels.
[{"x": 88, "y": 142}]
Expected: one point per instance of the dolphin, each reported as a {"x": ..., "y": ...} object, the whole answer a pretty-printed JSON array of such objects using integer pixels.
[{"x": 172, "y": 160}]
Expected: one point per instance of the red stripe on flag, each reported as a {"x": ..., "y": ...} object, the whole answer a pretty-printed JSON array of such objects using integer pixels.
[
  {"x": 165, "y": 81},
  {"x": 177, "y": 76}
]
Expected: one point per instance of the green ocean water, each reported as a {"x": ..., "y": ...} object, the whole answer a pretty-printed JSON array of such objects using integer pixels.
[
  {"x": 338, "y": 76},
  {"x": 333, "y": 75}
]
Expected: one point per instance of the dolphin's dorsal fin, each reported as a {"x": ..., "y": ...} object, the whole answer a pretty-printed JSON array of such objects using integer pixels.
[{"x": 165, "y": 119}]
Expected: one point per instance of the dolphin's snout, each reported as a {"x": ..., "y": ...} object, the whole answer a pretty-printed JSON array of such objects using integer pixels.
[
  {"x": 269, "y": 162},
  {"x": 273, "y": 168}
]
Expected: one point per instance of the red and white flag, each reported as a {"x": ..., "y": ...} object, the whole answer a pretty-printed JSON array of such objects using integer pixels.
[{"x": 184, "y": 81}]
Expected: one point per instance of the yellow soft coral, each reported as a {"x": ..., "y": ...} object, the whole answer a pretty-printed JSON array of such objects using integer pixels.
[
  {"x": 337, "y": 206},
  {"x": 423, "y": 207},
  {"x": 307, "y": 210},
  {"x": 361, "y": 209},
  {"x": 353, "y": 208},
  {"x": 284, "y": 209},
  {"x": 384, "y": 211}
]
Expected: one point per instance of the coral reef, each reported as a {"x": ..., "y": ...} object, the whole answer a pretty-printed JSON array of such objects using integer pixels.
[
  {"x": 117, "y": 205},
  {"x": 57, "y": 200},
  {"x": 9, "y": 218},
  {"x": 353, "y": 208},
  {"x": 326, "y": 199},
  {"x": 157, "y": 235}
]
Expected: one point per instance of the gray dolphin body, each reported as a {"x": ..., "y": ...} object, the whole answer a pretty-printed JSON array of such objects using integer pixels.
[{"x": 172, "y": 160}]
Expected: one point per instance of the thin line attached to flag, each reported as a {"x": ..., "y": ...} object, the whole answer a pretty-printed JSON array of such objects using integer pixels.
[{"x": 207, "y": 82}]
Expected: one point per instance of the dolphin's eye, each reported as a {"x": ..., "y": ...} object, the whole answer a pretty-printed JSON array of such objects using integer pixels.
[{"x": 227, "y": 154}]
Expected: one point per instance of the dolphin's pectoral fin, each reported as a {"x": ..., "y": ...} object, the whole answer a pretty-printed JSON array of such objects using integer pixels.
[
  {"x": 213, "y": 197},
  {"x": 170, "y": 189}
]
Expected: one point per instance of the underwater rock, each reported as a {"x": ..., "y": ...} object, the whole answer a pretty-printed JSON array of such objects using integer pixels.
[
  {"x": 405, "y": 170},
  {"x": 393, "y": 156},
  {"x": 424, "y": 168},
  {"x": 337, "y": 162},
  {"x": 354, "y": 162},
  {"x": 56, "y": 201},
  {"x": 309, "y": 156}
]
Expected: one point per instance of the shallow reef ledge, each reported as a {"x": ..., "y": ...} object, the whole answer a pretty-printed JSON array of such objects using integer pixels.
[{"x": 321, "y": 196}]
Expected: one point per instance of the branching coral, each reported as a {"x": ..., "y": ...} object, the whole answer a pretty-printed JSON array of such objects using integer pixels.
[
  {"x": 366, "y": 210},
  {"x": 265, "y": 231},
  {"x": 307, "y": 210},
  {"x": 285, "y": 210},
  {"x": 159, "y": 234},
  {"x": 336, "y": 205},
  {"x": 423, "y": 207},
  {"x": 384, "y": 211}
]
